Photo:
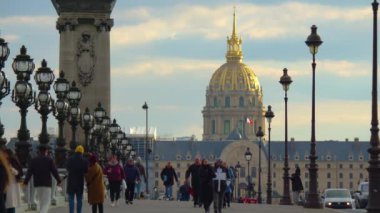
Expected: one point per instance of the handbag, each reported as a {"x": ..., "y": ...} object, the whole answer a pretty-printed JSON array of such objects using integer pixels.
[{"x": 123, "y": 185}]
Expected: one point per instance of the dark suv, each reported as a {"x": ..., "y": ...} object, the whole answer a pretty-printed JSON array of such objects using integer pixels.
[{"x": 361, "y": 196}]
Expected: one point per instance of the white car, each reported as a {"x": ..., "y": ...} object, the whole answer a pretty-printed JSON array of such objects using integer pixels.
[{"x": 338, "y": 199}]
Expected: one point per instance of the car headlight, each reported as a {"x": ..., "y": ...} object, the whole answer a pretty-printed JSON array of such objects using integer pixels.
[
  {"x": 329, "y": 203},
  {"x": 348, "y": 204}
]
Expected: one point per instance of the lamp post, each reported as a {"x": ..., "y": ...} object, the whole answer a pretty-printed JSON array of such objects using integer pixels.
[
  {"x": 237, "y": 168},
  {"x": 87, "y": 124},
  {"x": 312, "y": 200},
  {"x": 147, "y": 150},
  {"x": 285, "y": 80},
  {"x": 73, "y": 96},
  {"x": 4, "y": 83},
  {"x": 269, "y": 115},
  {"x": 44, "y": 77},
  {"x": 23, "y": 96},
  {"x": 374, "y": 151},
  {"x": 61, "y": 87},
  {"x": 248, "y": 157},
  {"x": 259, "y": 134}
]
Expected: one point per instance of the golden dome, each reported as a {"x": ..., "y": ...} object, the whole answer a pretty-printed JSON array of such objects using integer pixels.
[{"x": 234, "y": 75}]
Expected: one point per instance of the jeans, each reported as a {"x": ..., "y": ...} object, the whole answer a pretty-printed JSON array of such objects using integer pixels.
[
  {"x": 97, "y": 206},
  {"x": 130, "y": 191},
  {"x": 11, "y": 210},
  {"x": 115, "y": 188},
  {"x": 169, "y": 191},
  {"x": 218, "y": 201},
  {"x": 72, "y": 202},
  {"x": 138, "y": 189}
]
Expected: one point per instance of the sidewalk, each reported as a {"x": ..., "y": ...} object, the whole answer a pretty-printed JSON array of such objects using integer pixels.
[{"x": 159, "y": 206}]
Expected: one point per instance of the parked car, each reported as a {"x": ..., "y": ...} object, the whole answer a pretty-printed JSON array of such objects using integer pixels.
[
  {"x": 361, "y": 195},
  {"x": 338, "y": 199}
]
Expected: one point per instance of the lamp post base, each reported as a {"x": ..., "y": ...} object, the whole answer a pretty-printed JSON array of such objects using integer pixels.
[
  {"x": 60, "y": 157},
  {"x": 313, "y": 202}
]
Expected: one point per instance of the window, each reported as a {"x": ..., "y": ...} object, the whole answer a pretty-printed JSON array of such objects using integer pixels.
[
  {"x": 351, "y": 166},
  {"x": 306, "y": 175},
  {"x": 253, "y": 173},
  {"x": 361, "y": 175},
  {"x": 328, "y": 166},
  {"x": 213, "y": 127},
  {"x": 274, "y": 184},
  {"x": 306, "y": 184},
  {"x": 341, "y": 175},
  {"x": 241, "y": 101},
  {"x": 178, "y": 165},
  {"x": 351, "y": 185},
  {"x": 361, "y": 166},
  {"x": 242, "y": 172},
  {"x": 156, "y": 174},
  {"x": 274, "y": 174},
  {"x": 328, "y": 184},
  {"x": 340, "y": 166},
  {"x": 274, "y": 165},
  {"x": 227, "y": 127},
  {"x": 241, "y": 126},
  {"x": 178, "y": 174},
  {"x": 351, "y": 175},
  {"x": 215, "y": 102},
  {"x": 340, "y": 184},
  {"x": 227, "y": 101},
  {"x": 328, "y": 175}
]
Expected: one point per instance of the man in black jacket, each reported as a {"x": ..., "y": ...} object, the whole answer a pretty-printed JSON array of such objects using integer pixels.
[
  {"x": 77, "y": 167},
  {"x": 194, "y": 171},
  {"x": 41, "y": 168},
  {"x": 168, "y": 175}
]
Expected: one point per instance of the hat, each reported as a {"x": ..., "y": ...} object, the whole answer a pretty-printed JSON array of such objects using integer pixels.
[
  {"x": 92, "y": 159},
  {"x": 79, "y": 149}
]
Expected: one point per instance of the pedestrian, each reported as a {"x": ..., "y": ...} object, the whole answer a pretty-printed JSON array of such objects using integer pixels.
[
  {"x": 5, "y": 176},
  {"x": 95, "y": 184},
  {"x": 132, "y": 176},
  {"x": 139, "y": 185},
  {"x": 230, "y": 186},
  {"x": 194, "y": 170},
  {"x": 219, "y": 185},
  {"x": 168, "y": 175},
  {"x": 206, "y": 174},
  {"x": 297, "y": 186},
  {"x": 184, "y": 191},
  {"x": 77, "y": 167},
  {"x": 42, "y": 168},
  {"x": 115, "y": 175},
  {"x": 13, "y": 192}
]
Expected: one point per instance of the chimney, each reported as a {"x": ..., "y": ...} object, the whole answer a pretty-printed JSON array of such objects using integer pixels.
[
  {"x": 292, "y": 139},
  {"x": 346, "y": 139},
  {"x": 356, "y": 139}
]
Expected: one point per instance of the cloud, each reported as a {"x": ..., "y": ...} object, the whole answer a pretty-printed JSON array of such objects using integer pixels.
[
  {"x": 35, "y": 21},
  {"x": 212, "y": 22},
  {"x": 262, "y": 68}
]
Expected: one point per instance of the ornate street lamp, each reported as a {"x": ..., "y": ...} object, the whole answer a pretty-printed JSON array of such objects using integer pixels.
[
  {"x": 269, "y": 115},
  {"x": 147, "y": 149},
  {"x": 23, "y": 96},
  {"x": 44, "y": 77},
  {"x": 237, "y": 169},
  {"x": 73, "y": 96},
  {"x": 114, "y": 129},
  {"x": 259, "y": 134},
  {"x": 61, "y": 88},
  {"x": 374, "y": 162},
  {"x": 248, "y": 157},
  {"x": 312, "y": 200},
  {"x": 99, "y": 114},
  {"x": 285, "y": 80},
  {"x": 87, "y": 124},
  {"x": 4, "y": 83}
]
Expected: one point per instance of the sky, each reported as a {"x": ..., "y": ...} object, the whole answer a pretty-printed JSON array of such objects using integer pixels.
[{"x": 164, "y": 52}]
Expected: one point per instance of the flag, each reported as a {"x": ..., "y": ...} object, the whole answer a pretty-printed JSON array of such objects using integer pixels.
[{"x": 249, "y": 121}]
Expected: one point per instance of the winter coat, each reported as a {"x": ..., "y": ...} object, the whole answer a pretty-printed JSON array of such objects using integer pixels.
[
  {"x": 141, "y": 170},
  {"x": 13, "y": 195},
  {"x": 223, "y": 183},
  {"x": 95, "y": 184},
  {"x": 114, "y": 172},
  {"x": 77, "y": 167},
  {"x": 194, "y": 171},
  {"x": 167, "y": 176},
  {"x": 131, "y": 172},
  {"x": 3, "y": 180},
  {"x": 296, "y": 183},
  {"x": 206, "y": 174},
  {"x": 42, "y": 167}
]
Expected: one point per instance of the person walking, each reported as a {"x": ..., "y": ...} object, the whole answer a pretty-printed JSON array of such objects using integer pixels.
[
  {"x": 77, "y": 167},
  {"x": 95, "y": 185},
  {"x": 42, "y": 168},
  {"x": 132, "y": 175},
  {"x": 219, "y": 185},
  {"x": 115, "y": 175},
  {"x": 206, "y": 175},
  {"x": 194, "y": 170},
  {"x": 5, "y": 176},
  {"x": 297, "y": 185},
  {"x": 139, "y": 185},
  {"x": 168, "y": 175},
  {"x": 13, "y": 192},
  {"x": 184, "y": 191}
]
